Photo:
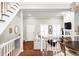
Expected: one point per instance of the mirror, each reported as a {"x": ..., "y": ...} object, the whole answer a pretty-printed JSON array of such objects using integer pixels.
[{"x": 16, "y": 29}]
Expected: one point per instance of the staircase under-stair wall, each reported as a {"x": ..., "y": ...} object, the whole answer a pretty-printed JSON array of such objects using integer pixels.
[{"x": 10, "y": 39}]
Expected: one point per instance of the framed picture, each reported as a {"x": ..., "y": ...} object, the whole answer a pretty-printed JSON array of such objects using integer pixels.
[
  {"x": 49, "y": 29},
  {"x": 10, "y": 30}
]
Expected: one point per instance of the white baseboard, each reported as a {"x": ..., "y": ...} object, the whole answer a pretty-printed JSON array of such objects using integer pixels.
[
  {"x": 19, "y": 52},
  {"x": 27, "y": 40},
  {"x": 22, "y": 50}
]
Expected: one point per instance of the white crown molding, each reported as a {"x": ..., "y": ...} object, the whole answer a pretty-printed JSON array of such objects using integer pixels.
[{"x": 45, "y": 5}]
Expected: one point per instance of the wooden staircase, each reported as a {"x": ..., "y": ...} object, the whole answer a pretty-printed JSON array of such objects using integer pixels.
[
  {"x": 29, "y": 50},
  {"x": 28, "y": 45}
]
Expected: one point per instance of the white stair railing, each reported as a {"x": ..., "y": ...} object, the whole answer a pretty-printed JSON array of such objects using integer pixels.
[
  {"x": 8, "y": 11},
  {"x": 9, "y": 48}
]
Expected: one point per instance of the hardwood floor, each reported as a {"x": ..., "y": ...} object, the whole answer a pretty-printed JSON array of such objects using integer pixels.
[{"x": 29, "y": 51}]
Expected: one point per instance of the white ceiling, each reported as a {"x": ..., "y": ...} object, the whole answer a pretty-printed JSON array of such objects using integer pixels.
[
  {"x": 43, "y": 13},
  {"x": 44, "y": 10}
]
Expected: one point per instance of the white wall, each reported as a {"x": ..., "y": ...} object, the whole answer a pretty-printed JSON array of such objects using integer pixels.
[
  {"x": 68, "y": 16},
  {"x": 0, "y": 10},
  {"x": 76, "y": 21},
  {"x": 38, "y": 22},
  {"x": 6, "y": 36}
]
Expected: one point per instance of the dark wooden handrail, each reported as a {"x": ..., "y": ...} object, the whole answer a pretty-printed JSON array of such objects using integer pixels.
[
  {"x": 13, "y": 8},
  {"x": 10, "y": 11},
  {"x": 6, "y": 15},
  {"x": 2, "y": 20},
  {"x": 18, "y": 4}
]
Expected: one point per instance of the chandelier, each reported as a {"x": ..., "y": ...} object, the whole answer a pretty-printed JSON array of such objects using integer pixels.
[{"x": 74, "y": 6}]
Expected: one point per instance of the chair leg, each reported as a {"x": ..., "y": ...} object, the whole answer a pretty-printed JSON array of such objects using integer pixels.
[{"x": 64, "y": 51}]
